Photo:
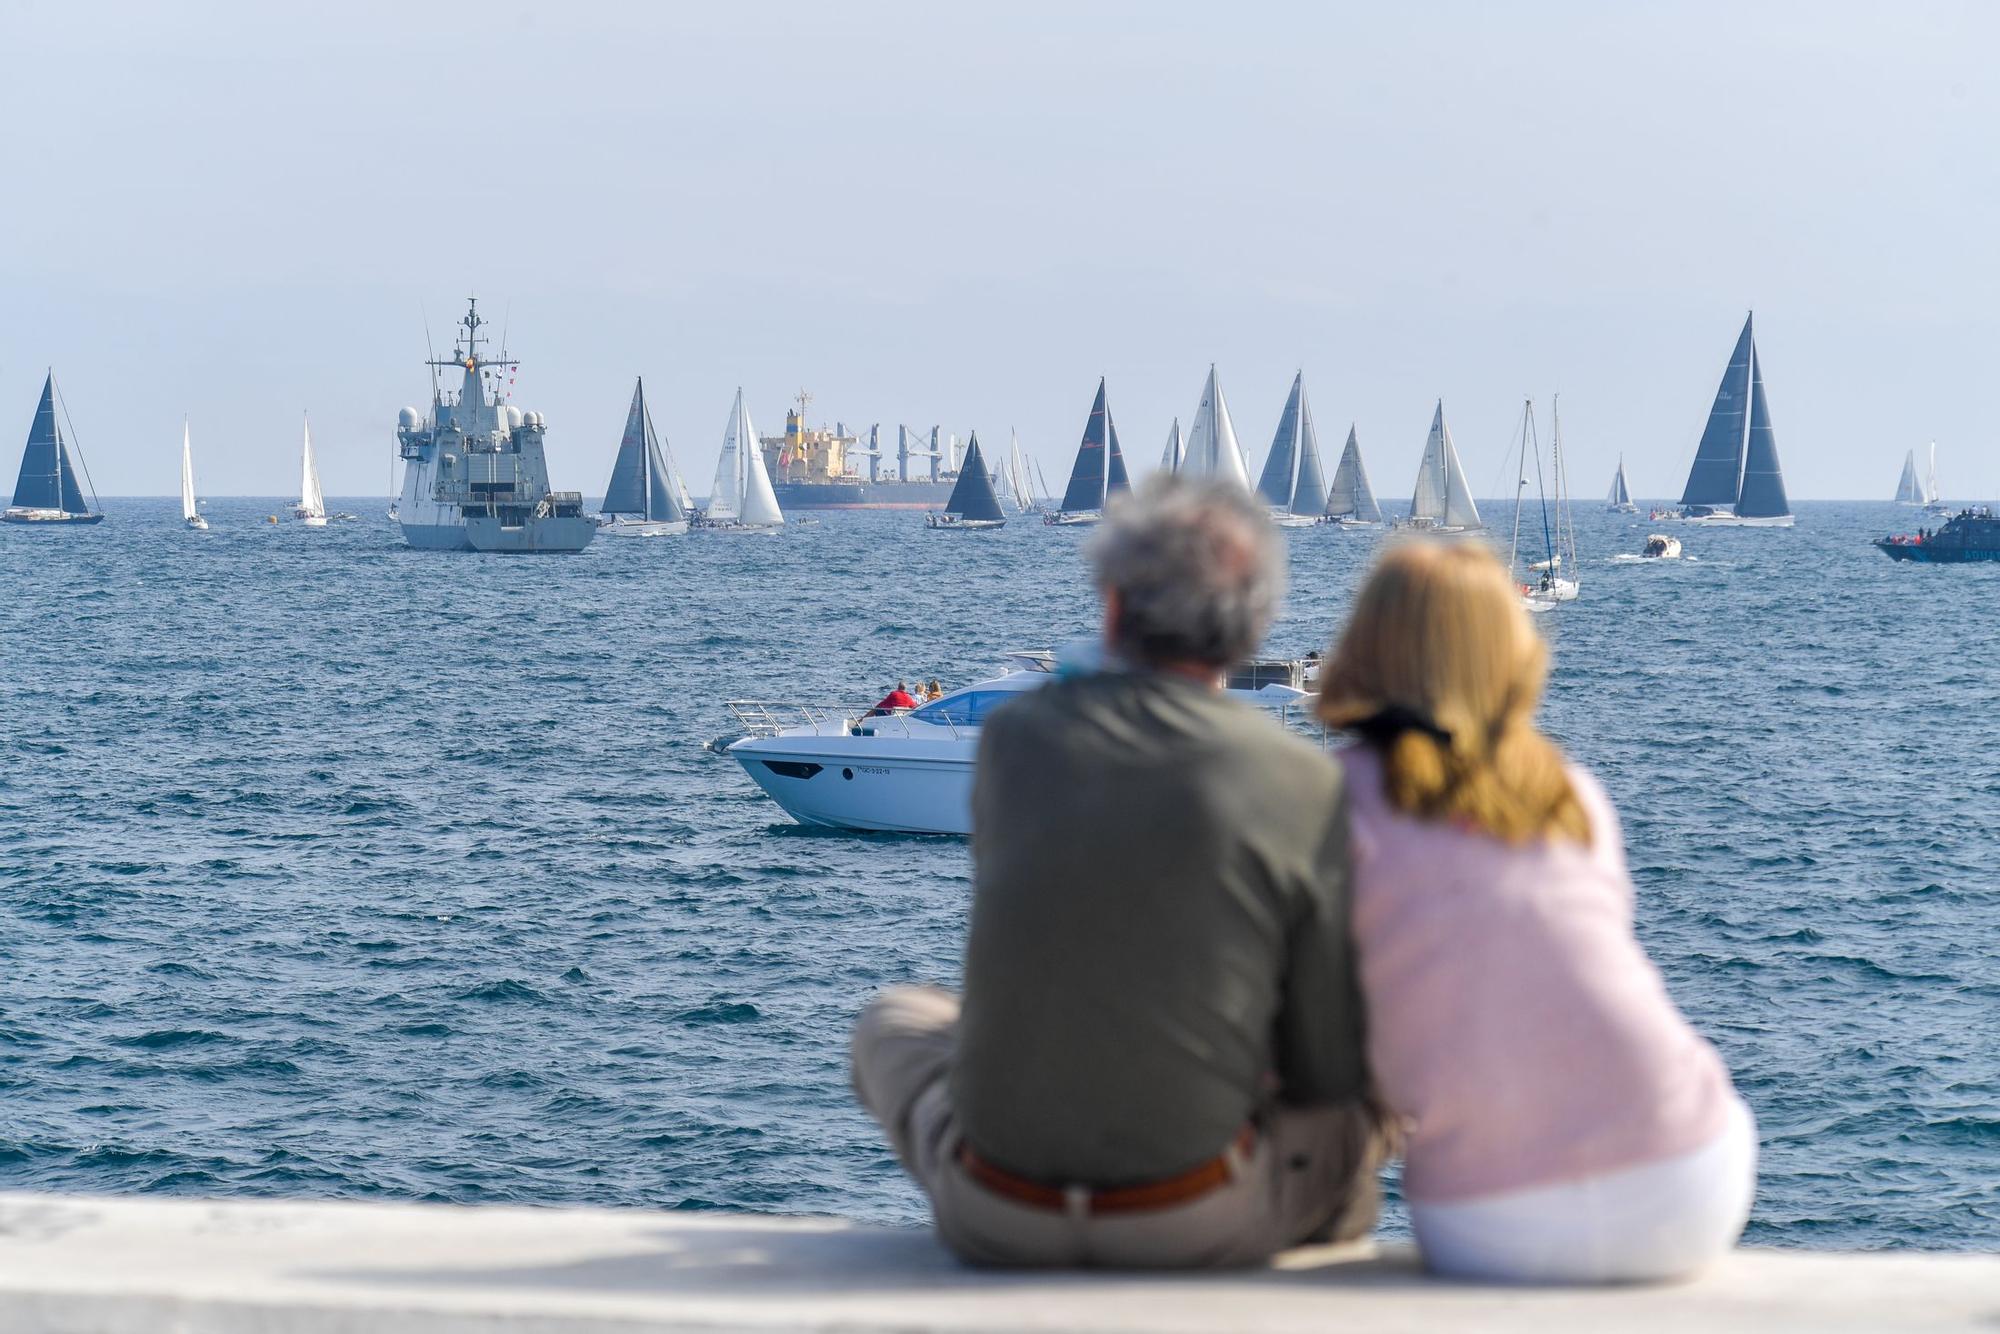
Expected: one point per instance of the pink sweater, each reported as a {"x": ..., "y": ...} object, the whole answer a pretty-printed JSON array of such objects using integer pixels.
[{"x": 1514, "y": 1024}]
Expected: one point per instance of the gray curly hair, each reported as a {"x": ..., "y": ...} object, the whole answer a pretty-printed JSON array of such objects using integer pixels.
[{"x": 1198, "y": 570}]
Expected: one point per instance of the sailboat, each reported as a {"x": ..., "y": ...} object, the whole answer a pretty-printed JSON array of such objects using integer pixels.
[
  {"x": 1022, "y": 490},
  {"x": 1735, "y": 480},
  {"x": 1442, "y": 501},
  {"x": 1293, "y": 484},
  {"x": 311, "y": 509},
  {"x": 1350, "y": 501},
  {"x": 1547, "y": 587},
  {"x": 189, "y": 514},
  {"x": 973, "y": 503},
  {"x": 1212, "y": 450},
  {"x": 46, "y": 490},
  {"x": 741, "y": 499},
  {"x": 1620, "y": 499},
  {"x": 1099, "y": 472},
  {"x": 643, "y": 497},
  {"x": 1908, "y": 491},
  {"x": 1176, "y": 450},
  {"x": 1933, "y": 504}
]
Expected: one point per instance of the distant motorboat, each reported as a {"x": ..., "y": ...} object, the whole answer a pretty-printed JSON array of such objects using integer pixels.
[
  {"x": 1099, "y": 471},
  {"x": 46, "y": 491},
  {"x": 1661, "y": 546},
  {"x": 1293, "y": 483},
  {"x": 311, "y": 509},
  {"x": 642, "y": 499},
  {"x": 190, "y": 512}
]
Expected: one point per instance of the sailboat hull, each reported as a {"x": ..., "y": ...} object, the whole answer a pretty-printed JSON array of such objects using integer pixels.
[
  {"x": 196, "y": 522},
  {"x": 1737, "y": 521},
  {"x": 643, "y": 527},
  {"x": 1294, "y": 520},
  {"x": 19, "y": 515},
  {"x": 1077, "y": 520}
]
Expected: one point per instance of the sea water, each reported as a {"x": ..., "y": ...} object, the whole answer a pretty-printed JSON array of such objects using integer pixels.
[{"x": 331, "y": 868}]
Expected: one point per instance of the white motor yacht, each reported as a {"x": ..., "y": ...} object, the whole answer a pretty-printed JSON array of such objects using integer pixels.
[{"x": 911, "y": 772}]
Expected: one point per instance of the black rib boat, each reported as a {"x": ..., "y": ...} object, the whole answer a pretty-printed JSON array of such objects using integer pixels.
[{"x": 1969, "y": 535}]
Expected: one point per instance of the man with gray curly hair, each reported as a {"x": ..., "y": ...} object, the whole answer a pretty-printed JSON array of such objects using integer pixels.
[{"x": 1158, "y": 1059}]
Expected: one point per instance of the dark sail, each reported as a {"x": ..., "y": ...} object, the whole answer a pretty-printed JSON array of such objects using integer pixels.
[
  {"x": 1763, "y": 495},
  {"x": 1275, "y": 486},
  {"x": 1119, "y": 481},
  {"x": 47, "y": 480},
  {"x": 973, "y": 497},
  {"x": 1908, "y": 490},
  {"x": 1716, "y": 476},
  {"x": 1620, "y": 493},
  {"x": 625, "y": 493},
  {"x": 640, "y": 482},
  {"x": 1087, "y": 483}
]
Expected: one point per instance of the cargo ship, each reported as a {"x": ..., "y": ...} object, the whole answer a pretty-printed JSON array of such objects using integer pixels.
[{"x": 821, "y": 468}]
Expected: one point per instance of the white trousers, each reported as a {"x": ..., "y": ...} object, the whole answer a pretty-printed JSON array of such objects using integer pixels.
[{"x": 1659, "y": 1220}]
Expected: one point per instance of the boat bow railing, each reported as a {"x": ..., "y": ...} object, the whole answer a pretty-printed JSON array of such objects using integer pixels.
[{"x": 767, "y": 718}]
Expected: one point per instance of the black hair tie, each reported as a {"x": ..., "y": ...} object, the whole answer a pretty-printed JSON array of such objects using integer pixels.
[{"x": 1386, "y": 724}]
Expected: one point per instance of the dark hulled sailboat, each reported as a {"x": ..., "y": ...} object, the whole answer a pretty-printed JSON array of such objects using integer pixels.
[
  {"x": 47, "y": 489},
  {"x": 974, "y": 503},
  {"x": 1099, "y": 472},
  {"x": 1735, "y": 480}
]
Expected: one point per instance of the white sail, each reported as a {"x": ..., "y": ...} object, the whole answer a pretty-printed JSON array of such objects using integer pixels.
[
  {"x": 1175, "y": 452},
  {"x": 312, "y": 504},
  {"x": 1212, "y": 450},
  {"x": 188, "y": 512},
  {"x": 1017, "y": 475},
  {"x": 1930, "y": 478},
  {"x": 725, "y": 498},
  {"x": 760, "y": 502},
  {"x": 1442, "y": 496}
]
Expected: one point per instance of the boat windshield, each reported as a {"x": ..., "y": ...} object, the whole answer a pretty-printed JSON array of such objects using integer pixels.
[{"x": 967, "y": 708}]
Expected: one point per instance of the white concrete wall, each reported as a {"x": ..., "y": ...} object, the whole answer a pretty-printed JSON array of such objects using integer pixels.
[{"x": 113, "y": 1266}]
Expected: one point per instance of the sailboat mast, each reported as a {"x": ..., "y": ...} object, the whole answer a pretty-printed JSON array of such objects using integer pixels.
[{"x": 1520, "y": 485}]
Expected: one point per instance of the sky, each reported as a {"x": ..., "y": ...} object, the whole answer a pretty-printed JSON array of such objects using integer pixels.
[{"x": 963, "y": 215}]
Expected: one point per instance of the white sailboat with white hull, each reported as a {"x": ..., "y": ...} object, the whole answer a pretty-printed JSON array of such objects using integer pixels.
[
  {"x": 190, "y": 512},
  {"x": 643, "y": 497},
  {"x": 1735, "y": 481},
  {"x": 1212, "y": 450},
  {"x": 742, "y": 500},
  {"x": 1350, "y": 501},
  {"x": 1442, "y": 501},
  {"x": 1933, "y": 503},
  {"x": 311, "y": 509},
  {"x": 1293, "y": 484},
  {"x": 1546, "y": 586}
]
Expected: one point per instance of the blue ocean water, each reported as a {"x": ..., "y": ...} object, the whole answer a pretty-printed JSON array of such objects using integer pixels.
[{"x": 329, "y": 868}]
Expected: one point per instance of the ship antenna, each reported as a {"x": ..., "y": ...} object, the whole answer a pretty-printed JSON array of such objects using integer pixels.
[{"x": 430, "y": 347}]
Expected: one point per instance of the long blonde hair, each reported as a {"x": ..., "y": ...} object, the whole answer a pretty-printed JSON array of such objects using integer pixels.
[{"x": 1441, "y": 668}]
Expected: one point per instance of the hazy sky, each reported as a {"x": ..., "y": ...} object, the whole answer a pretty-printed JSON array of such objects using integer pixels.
[{"x": 926, "y": 214}]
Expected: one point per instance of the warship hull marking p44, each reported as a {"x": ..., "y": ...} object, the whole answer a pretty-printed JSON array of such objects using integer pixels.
[{"x": 475, "y": 476}]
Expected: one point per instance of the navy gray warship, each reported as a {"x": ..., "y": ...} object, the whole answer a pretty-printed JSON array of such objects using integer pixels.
[{"x": 477, "y": 478}]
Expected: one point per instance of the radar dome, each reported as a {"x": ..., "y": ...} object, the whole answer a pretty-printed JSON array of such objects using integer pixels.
[
  {"x": 513, "y": 416},
  {"x": 408, "y": 418}
]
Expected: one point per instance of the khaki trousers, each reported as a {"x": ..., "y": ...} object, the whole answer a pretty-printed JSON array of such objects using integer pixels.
[{"x": 1310, "y": 1177}]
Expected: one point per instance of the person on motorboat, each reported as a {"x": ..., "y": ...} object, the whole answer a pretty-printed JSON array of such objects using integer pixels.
[
  {"x": 899, "y": 700},
  {"x": 1563, "y": 1122},
  {"x": 1157, "y": 1060}
]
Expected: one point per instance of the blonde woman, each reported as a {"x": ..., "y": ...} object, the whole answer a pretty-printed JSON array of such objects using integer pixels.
[{"x": 1563, "y": 1122}]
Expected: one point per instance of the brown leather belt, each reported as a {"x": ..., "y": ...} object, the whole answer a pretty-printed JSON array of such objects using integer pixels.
[{"x": 1178, "y": 1189}]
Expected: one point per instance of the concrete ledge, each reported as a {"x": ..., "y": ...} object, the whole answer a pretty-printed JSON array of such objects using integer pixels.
[{"x": 109, "y": 1266}]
